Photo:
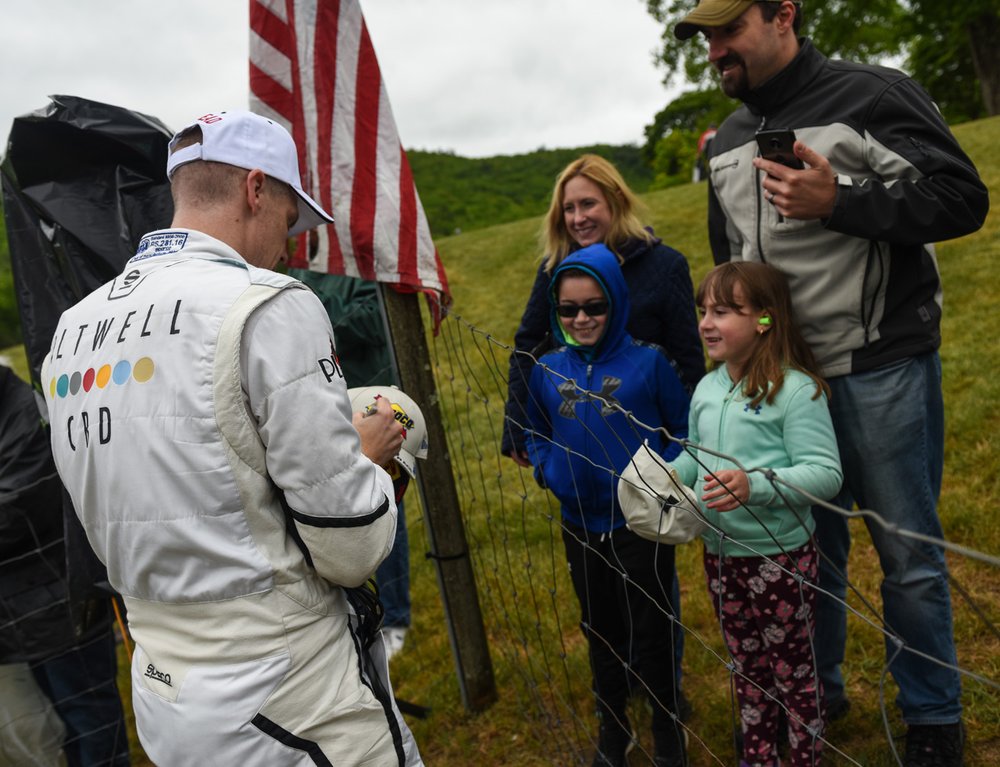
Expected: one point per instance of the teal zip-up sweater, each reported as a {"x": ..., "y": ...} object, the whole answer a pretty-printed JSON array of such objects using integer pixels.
[{"x": 793, "y": 437}]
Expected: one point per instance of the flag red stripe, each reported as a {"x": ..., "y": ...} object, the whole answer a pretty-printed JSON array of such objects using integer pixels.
[
  {"x": 325, "y": 81},
  {"x": 270, "y": 91},
  {"x": 297, "y": 117},
  {"x": 442, "y": 278},
  {"x": 271, "y": 29},
  {"x": 365, "y": 156},
  {"x": 407, "y": 222}
]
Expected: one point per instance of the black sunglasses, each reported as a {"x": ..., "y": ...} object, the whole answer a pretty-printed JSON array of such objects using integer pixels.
[{"x": 591, "y": 309}]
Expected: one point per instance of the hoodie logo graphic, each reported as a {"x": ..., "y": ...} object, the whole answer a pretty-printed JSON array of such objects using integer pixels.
[{"x": 571, "y": 395}]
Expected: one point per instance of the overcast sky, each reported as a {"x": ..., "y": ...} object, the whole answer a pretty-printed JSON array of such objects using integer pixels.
[{"x": 477, "y": 77}]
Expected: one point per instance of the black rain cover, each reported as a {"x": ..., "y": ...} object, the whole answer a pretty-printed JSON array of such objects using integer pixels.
[{"x": 82, "y": 182}]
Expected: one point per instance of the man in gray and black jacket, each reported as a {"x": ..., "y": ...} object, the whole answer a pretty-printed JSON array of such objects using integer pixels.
[{"x": 883, "y": 177}]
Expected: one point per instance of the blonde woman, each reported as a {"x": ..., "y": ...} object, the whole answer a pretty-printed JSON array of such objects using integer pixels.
[{"x": 592, "y": 203}]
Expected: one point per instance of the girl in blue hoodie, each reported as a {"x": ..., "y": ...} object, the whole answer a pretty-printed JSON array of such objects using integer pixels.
[{"x": 593, "y": 401}]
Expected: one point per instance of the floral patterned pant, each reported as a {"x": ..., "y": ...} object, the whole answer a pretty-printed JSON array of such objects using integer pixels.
[{"x": 765, "y": 606}]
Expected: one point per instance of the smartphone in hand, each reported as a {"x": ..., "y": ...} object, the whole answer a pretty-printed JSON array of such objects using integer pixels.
[{"x": 776, "y": 145}]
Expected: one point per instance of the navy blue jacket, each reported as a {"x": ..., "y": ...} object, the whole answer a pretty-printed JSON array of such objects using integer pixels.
[
  {"x": 579, "y": 437},
  {"x": 662, "y": 313}
]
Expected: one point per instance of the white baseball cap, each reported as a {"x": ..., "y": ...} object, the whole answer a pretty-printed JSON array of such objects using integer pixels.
[
  {"x": 407, "y": 413},
  {"x": 656, "y": 504},
  {"x": 247, "y": 140}
]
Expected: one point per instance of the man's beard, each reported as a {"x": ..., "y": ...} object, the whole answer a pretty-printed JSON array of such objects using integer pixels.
[{"x": 736, "y": 85}]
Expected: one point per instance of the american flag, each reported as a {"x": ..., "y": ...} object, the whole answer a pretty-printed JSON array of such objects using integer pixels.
[{"x": 313, "y": 69}]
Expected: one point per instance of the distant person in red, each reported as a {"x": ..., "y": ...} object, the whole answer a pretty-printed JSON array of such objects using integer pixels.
[{"x": 701, "y": 163}]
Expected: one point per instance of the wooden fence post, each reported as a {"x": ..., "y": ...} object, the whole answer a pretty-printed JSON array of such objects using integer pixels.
[{"x": 446, "y": 531}]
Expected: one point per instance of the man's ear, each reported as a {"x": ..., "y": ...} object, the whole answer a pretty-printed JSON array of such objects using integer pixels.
[
  {"x": 256, "y": 179},
  {"x": 785, "y": 17}
]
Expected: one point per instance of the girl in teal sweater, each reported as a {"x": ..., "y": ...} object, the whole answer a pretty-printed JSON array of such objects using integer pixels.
[{"x": 764, "y": 405}]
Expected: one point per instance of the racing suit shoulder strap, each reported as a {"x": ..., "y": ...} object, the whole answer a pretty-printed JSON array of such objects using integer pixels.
[{"x": 234, "y": 420}]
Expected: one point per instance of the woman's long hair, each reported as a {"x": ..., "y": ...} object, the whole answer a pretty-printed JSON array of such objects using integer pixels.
[
  {"x": 764, "y": 289},
  {"x": 557, "y": 242}
]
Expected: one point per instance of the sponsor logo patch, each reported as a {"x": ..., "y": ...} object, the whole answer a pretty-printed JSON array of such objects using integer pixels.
[
  {"x": 151, "y": 672},
  {"x": 159, "y": 244}
]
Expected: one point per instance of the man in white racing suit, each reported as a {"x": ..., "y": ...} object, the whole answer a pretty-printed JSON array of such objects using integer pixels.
[{"x": 202, "y": 425}]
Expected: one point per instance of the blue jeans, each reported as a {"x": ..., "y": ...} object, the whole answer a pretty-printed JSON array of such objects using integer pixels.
[
  {"x": 393, "y": 577},
  {"x": 890, "y": 429},
  {"x": 81, "y": 685}
]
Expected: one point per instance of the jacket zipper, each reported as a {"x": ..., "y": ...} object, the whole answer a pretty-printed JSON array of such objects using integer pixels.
[
  {"x": 588, "y": 406},
  {"x": 760, "y": 217},
  {"x": 757, "y": 200},
  {"x": 722, "y": 415}
]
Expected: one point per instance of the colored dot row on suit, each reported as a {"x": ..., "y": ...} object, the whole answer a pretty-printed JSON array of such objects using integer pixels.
[{"x": 71, "y": 384}]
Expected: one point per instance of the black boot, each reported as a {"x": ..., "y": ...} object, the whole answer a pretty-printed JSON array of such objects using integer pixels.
[
  {"x": 614, "y": 741},
  {"x": 669, "y": 745},
  {"x": 938, "y": 745}
]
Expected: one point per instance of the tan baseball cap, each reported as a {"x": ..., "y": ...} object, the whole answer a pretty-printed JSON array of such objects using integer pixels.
[{"x": 712, "y": 13}]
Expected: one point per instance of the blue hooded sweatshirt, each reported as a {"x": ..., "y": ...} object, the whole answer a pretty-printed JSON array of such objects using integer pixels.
[{"x": 579, "y": 439}]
